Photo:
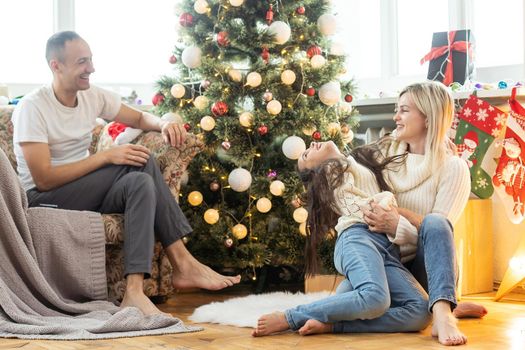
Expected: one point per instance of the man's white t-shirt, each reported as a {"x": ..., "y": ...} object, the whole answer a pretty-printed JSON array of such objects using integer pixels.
[{"x": 40, "y": 117}]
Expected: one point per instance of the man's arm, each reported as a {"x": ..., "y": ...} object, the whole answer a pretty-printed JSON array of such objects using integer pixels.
[
  {"x": 173, "y": 133},
  {"x": 48, "y": 177}
]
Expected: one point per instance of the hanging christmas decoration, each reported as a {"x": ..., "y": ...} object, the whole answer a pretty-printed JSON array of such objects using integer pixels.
[
  {"x": 274, "y": 107},
  {"x": 245, "y": 119},
  {"x": 173, "y": 59},
  {"x": 228, "y": 242},
  {"x": 157, "y": 99},
  {"x": 269, "y": 15},
  {"x": 191, "y": 57},
  {"x": 240, "y": 180},
  {"x": 271, "y": 174},
  {"x": 239, "y": 231},
  {"x": 236, "y": 3},
  {"x": 293, "y": 147},
  {"x": 195, "y": 198},
  {"x": 205, "y": 84},
  {"x": 178, "y": 90},
  {"x": 313, "y": 50},
  {"x": 300, "y": 10},
  {"x": 300, "y": 215},
  {"x": 235, "y": 75},
  {"x": 310, "y": 91},
  {"x": 317, "y": 61},
  {"x": 223, "y": 39},
  {"x": 219, "y": 108},
  {"x": 316, "y": 135},
  {"x": 349, "y": 98},
  {"x": 267, "y": 96},
  {"x": 263, "y": 130},
  {"x": 330, "y": 93},
  {"x": 201, "y": 102},
  {"x": 186, "y": 19},
  {"x": 214, "y": 186},
  {"x": 264, "y": 205},
  {"x": 265, "y": 55},
  {"x": 302, "y": 228},
  {"x": 187, "y": 126},
  {"x": 253, "y": 79},
  {"x": 211, "y": 216},
  {"x": 281, "y": 32},
  {"x": 201, "y": 7},
  {"x": 207, "y": 123},
  {"x": 226, "y": 145},
  {"x": 277, "y": 188},
  {"x": 288, "y": 77}
]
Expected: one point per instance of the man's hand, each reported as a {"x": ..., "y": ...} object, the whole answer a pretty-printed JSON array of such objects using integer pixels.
[
  {"x": 128, "y": 154},
  {"x": 380, "y": 220},
  {"x": 173, "y": 133}
]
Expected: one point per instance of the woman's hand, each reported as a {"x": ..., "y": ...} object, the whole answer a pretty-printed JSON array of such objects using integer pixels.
[
  {"x": 380, "y": 220},
  {"x": 173, "y": 133}
]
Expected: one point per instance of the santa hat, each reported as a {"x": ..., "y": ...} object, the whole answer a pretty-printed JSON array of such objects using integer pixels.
[{"x": 471, "y": 135}]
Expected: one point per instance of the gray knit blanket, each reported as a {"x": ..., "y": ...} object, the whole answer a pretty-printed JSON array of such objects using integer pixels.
[{"x": 52, "y": 274}]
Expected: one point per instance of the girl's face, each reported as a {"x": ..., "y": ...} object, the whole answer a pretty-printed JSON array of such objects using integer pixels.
[
  {"x": 410, "y": 122},
  {"x": 317, "y": 153}
]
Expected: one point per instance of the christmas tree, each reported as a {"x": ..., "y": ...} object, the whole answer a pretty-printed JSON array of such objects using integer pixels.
[{"x": 256, "y": 81}]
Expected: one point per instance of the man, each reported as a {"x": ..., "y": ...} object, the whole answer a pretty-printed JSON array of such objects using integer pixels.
[{"x": 52, "y": 133}]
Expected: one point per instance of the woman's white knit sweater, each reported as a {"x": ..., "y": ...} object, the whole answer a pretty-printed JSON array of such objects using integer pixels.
[{"x": 419, "y": 188}]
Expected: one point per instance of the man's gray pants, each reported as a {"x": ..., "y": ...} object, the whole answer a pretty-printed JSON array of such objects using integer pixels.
[{"x": 139, "y": 193}]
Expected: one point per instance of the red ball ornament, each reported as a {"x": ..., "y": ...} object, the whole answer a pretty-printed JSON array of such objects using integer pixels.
[
  {"x": 157, "y": 99},
  {"x": 313, "y": 50},
  {"x": 263, "y": 130},
  {"x": 269, "y": 15},
  {"x": 316, "y": 135},
  {"x": 219, "y": 108},
  {"x": 349, "y": 98},
  {"x": 300, "y": 10},
  {"x": 223, "y": 39},
  {"x": 186, "y": 19},
  {"x": 226, "y": 145},
  {"x": 173, "y": 59},
  {"x": 310, "y": 91},
  {"x": 265, "y": 55},
  {"x": 267, "y": 96},
  {"x": 187, "y": 126}
]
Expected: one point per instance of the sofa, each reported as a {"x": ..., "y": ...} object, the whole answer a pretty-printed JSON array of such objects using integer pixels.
[{"x": 172, "y": 161}]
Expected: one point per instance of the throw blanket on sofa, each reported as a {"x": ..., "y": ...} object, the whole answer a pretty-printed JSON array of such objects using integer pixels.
[{"x": 51, "y": 265}]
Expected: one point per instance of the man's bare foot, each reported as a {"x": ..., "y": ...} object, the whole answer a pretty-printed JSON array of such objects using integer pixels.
[
  {"x": 466, "y": 309},
  {"x": 142, "y": 302},
  {"x": 193, "y": 274},
  {"x": 270, "y": 323},
  {"x": 315, "y": 327},
  {"x": 445, "y": 325}
]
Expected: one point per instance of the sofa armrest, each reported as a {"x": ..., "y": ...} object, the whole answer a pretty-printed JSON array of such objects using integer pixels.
[{"x": 173, "y": 161}]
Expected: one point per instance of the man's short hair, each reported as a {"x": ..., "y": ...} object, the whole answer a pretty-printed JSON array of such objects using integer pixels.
[{"x": 55, "y": 44}]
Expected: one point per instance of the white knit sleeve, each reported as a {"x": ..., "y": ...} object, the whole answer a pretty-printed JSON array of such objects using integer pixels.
[
  {"x": 406, "y": 233},
  {"x": 453, "y": 189}
]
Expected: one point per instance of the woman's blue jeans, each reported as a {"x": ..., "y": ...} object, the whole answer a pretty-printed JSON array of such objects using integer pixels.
[
  {"x": 378, "y": 295},
  {"x": 435, "y": 265}
]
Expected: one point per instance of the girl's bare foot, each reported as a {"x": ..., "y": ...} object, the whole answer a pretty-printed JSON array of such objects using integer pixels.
[
  {"x": 270, "y": 323},
  {"x": 315, "y": 327},
  {"x": 142, "y": 302},
  {"x": 445, "y": 326},
  {"x": 193, "y": 274},
  {"x": 467, "y": 309}
]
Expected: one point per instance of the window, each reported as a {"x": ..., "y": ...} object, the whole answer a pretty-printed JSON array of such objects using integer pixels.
[
  {"x": 26, "y": 25},
  {"x": 131, "y": 40},
  {"x": 359, "y": 31},
  {"x": 416, "y": 22}
]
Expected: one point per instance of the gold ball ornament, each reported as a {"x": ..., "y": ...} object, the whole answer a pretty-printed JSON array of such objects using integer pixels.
[
  {"x": 274, "y": 107},
  {"x": 277, "y": 188},
  {"x": 207, "y": 123},
  {"x": 288, "y": 77},
  {"x": 246, "y": 119},
  {"x": 178, "y": 90},
  {"x": 195, "y": 198},
  {"x": 264, "y": 205},
  {"x": 239, "y": 231},
  {"x": 333, "y": 128},
  {"x": 317, "y": 61},
  {"x": 211, "y": 216},
  {"x": 300, "y": 215}
]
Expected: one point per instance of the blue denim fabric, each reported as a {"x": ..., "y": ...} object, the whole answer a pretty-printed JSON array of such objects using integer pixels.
[
  {"x": 378, "y": 295},
  {"x": 436, "y": 259}
]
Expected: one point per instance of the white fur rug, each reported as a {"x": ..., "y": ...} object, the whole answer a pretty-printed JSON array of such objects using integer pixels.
[{"x": 245, "y": 311}]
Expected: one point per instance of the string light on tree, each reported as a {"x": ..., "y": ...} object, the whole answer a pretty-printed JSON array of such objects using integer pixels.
[
  {"x": 253, "y": 79},
  {"x": 288, "y": 77},
  {"x": 245, "y": 119},
  {"x": 236, "y": 3},
  {"x": 277, "y": 188},
  {"x": 201, "y": 102},
  {"x": 211, "y": 216},
  {"x": 264, "y": 205},
  {"x": 195, "y": 198},
  {"x": 239, "y": 231},
  {"x": 300, "y": 215},
  {"x": 274, "y": 107},
  {"x": 235, "y": 75},
  {"x": 207, "y": 123},
  {"x": 317, "y": 61},
  {"x": 178, "y": 90}
]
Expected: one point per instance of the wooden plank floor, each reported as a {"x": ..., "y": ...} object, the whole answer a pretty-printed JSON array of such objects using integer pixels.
[{"x": 502, "y": 328}]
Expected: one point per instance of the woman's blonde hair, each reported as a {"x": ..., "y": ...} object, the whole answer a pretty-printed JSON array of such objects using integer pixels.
[{"x": 436, "y": 104}]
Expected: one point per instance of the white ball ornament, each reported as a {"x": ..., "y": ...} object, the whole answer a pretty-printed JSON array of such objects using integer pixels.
[
  {"x": 240, "y": 180},
  {"x": 201, "y": 6},
  {"x": 274, "y": 107},
  {"x": 293, "y": 147},
  {"x": 300, "y": 215},
  {"x": 239, "y": 231},
  {"x": 333, "y": 128},
  {"x": 235, "y": 75},
  {"x": 327, "y": 24},
  {"x": 277, "y": 188},
  {"x": 253, "y": 79},
  {"x": 317, "y": 61},
  {"x": 201, "y": 102},
  {"x": 207, "y": 123},
  {"x": 264, "y": 205},
  {"x": 211, "y": 216},
  {"x": 195, "y": 198},
  {"x": 288, "y": 77},
  {"x": 281, "y": 32},
  {"x": 330, "y": 93},
  {"x": 191, "y": 57},
  {"x": 348, "y": 136},
  {"x": 246, "y": 119},
  {"x": 345, "y": 107},
  {"x": 236, "y": 3},
  {"x": 177, "y": 90}
]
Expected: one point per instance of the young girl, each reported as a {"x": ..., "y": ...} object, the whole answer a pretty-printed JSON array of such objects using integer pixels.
[{"x": 384, "y": 296}]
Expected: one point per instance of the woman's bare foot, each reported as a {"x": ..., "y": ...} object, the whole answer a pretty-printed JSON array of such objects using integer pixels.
[
  {"x": 270, "y": 323},
  {"x": 193, "y": 274},
  {"x": 466, "y": 309},
  {"x": 445, "y": 326},
  {"x": 315, "y": 327},
  {"x": 142, "y": 302}
]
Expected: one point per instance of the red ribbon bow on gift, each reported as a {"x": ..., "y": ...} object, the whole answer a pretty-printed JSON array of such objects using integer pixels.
[{"x": 461, "y": 46}]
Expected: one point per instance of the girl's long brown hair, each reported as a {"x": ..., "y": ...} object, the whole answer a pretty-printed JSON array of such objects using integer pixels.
[{"x": 320, "y": 183}]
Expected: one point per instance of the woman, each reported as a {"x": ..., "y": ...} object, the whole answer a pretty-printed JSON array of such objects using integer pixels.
[{"x": 431, "y": 187}]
